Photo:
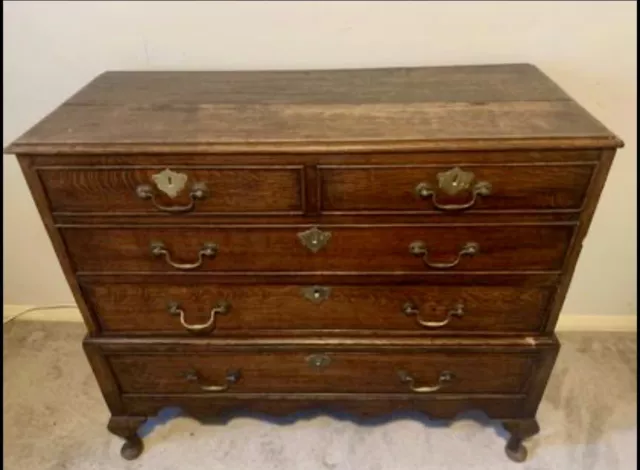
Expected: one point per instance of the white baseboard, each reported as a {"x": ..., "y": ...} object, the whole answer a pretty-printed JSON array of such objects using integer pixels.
[
  {"x": 597, "y": 323},
  {"x": 565, "y": 323}
]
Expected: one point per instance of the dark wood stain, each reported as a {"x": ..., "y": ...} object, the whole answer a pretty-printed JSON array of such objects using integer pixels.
[
  {"x": 256, "y": 309},
  {"x": 221, "y": 408},
  {"x": 392, "y": 189},
  {"x": 230, "y": 189},
  {"x": 351, "y": 248},
  {"x": 346, "y": 372},
  {"x": 341, "y": 150},
  {"x": 522, "y": 82},
  {"x": 525, "y": 344},
  {"x": 141, "y": 111},
  {"x": 417, "y": 157}
]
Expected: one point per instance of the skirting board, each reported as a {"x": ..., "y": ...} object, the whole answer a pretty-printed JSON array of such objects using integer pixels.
[{"x": 566, "y": 322}]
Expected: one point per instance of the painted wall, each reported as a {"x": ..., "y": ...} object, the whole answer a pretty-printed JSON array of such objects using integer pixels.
[{"x": 53, "y": 48}]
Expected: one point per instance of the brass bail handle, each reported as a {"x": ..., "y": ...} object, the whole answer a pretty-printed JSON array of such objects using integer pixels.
[
  {"x": 232, "y": 377},
  {"x": 198, "y": 192},
  {"x": 445, "y": 378},
  {"x": 452, "y": 182},
  {"x": 208, "y": 250},
  {"x": 221, "y": 308},
  {"x": 419, "y": 248},
  {"x": 409, "y": 309}
]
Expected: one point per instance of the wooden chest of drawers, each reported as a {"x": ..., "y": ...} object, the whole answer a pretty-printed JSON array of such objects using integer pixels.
[{"x": 367, "y": 240}]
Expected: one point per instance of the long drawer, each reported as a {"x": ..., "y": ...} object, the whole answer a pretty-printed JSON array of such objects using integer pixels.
[
  {"x": 204, "y": 308},
  {"x": 400, "y": 248},
  {"x": 323, "y": 372}
]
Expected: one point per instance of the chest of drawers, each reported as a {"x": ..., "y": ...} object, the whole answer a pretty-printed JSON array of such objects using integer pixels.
[{"x": 363, "y": 240}]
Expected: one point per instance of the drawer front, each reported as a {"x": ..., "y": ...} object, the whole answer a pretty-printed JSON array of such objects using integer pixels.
[
  {"x": 495, "y": 187},
  {"x": 337, "y": 249},
  {"x": 339, "y": 372},
  {"x": 221, "y": 310},
  {"x": 154, "y": 190}
]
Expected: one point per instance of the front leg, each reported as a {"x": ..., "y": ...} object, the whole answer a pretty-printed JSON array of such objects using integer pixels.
[
  {"x": 520, "y": 429},
  {"x": 127, "y": 427}
]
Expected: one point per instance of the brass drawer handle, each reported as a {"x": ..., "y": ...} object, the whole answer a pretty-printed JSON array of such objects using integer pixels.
[
  {"x": 199, "y": 328},
  {"x": 231, "y": 378},
  {"x": 445, "y": 378},
  {"x": 419, "y": 248},
  {"x": 198, "y": 192},
  {"x": 410, "y": 308},
  {"x": 452, "y": 182},
  {"x": 208, "y": 249}
]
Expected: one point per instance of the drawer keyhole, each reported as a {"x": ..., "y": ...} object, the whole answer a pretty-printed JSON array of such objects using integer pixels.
[{"x": 318, "y": 361}]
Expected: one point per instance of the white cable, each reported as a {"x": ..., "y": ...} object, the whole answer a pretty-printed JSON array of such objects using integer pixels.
[{"x": 33, "y": 309}]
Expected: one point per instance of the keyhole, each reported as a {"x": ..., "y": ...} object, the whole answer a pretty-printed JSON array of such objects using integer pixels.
[{"x": 170, "y": 181}]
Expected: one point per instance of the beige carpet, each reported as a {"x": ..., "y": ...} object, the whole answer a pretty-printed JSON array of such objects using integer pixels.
[{"x": 54, "y": 418}]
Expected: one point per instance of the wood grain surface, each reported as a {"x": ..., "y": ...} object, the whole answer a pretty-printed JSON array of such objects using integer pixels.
[
  {"x": 141, "y": 111},
  {"x": 281, "y": 372},
  {"x": 229, "y": 189},
  {"x": 283, "y": 309},
  {"x": 392, "y": 188},
  {"x": 350, "y": 248},
  {"x": 341, "y": 150}
]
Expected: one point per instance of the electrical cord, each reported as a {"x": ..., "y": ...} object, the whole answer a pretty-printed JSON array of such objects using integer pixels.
[{"x": 33, "y": 309}]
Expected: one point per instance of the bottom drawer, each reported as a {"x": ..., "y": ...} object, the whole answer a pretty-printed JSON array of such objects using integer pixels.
[{"x": 324, "y": 372}]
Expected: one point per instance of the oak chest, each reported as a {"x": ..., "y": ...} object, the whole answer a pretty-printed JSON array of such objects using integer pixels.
[{"x": 365, "y": 240}]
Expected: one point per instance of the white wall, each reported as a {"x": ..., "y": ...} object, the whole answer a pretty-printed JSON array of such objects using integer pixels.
[{"x": 53, "y": 48}]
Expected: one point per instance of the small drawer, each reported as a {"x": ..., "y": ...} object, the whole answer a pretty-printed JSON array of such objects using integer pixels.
[
  {"x": 206, "y": 309},
  {"x": 323, "y": 372},
  {"x": 477, "y": 187},
  {"x": 337, "y": 249},
  {"x": 174, "y": 190}
]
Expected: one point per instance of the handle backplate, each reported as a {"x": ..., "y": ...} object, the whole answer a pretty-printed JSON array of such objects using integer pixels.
[
  {"x": 453, "y": 182},
  {"x": 172, "y": 183}
]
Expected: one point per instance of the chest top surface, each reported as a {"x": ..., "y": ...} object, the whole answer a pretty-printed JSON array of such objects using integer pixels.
[{"x": 453, "y": 107}]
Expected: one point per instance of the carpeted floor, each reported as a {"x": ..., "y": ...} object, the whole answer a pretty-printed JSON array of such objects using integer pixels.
[{"x": 55, "y": 418}]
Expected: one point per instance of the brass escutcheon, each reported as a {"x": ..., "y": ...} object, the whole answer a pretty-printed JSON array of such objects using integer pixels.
[
  {"x": 170, "y": 182},
  {"x": 318, "y": 361},
  {"x": 316, "y": 294},
  {"x": 314, "y": 239}
]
